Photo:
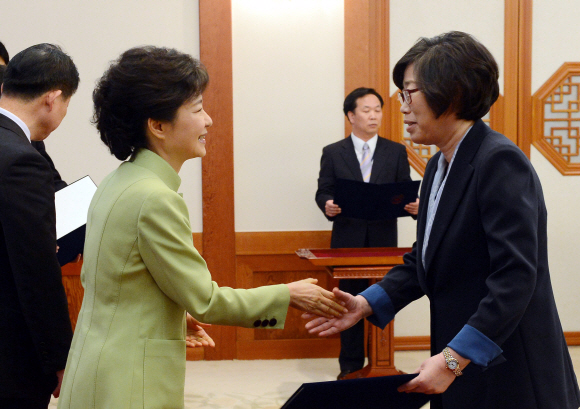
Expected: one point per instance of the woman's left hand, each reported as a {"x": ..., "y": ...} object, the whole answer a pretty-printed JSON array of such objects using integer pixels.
[
  {"x": 434, "y": 377},
  {"x": 196, "y": 335},
  {"x": 306, "y": 296}
]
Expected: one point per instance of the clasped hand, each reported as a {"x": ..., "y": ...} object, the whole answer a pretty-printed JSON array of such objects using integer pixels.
[
  {"x": 306, "y": 296},
  {"x": 357, "y": 308}
]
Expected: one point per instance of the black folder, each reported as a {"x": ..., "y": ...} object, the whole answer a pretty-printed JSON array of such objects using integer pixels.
[
  {"x": 371, "y": 201},
  {"x": 71, "y": 245},
  {"x": 363, "y": 393}
]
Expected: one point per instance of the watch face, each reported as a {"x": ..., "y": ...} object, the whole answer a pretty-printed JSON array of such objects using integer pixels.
[{"x": 452, "y": 364}]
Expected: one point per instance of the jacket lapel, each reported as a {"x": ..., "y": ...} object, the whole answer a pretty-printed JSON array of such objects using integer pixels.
[
  {"x": 380, "y": 160},
  {"x": 349, "y": 156},
  {"x": 458, "y": 179},
  {"x": 428, "y": 178}
]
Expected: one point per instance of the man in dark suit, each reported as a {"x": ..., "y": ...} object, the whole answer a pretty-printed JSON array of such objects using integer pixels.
[
  {"x": 34, "y": 321},
  {"x": 38, "y": 145},
  {"x": 363, "y": 156}
]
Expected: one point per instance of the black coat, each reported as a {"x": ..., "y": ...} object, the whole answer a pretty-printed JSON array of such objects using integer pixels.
[
  {"x": 58, "y": 182},
  {"x": 487, "y": 266},
  {"x": 34, "y": 321},
  {"x": 339, "y": 161}
]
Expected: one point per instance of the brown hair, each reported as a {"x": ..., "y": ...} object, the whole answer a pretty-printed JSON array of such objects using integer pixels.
[
  {"x": 455, "y": 72},
  {"x": 145, "y": 82}
]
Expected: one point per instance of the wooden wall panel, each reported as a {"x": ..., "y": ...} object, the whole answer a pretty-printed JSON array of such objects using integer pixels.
[
  {"x": 215, "y": 29},
  {"x": 265, "y": 258},
  {"x": 366, "y": 51},
  {"x": 525, "y": 120},
  {"x": 517, "y": 73},
  {"x": 71, "y": 280}
]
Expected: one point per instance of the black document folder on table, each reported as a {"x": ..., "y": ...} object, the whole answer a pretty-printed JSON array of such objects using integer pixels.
[
  {"x": 370, "y": 201},
  {"x": 363, "y": 393},
  {"x": 72, "y": 205}
]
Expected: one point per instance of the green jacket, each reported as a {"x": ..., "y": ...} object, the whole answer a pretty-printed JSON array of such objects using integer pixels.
[{"x": 141, "y": 273}]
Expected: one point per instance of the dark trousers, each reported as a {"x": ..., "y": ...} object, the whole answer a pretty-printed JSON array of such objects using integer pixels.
[{"x": 352, "y": 346}]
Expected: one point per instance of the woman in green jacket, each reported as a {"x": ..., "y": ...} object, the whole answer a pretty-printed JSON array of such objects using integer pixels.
[{"x": 141, "y": 272}]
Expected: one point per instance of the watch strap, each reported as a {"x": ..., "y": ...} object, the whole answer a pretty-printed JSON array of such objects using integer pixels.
[{"x": 451, "y": 362}]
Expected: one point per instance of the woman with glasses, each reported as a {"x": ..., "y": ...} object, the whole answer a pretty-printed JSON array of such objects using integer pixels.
[
  {"x": 141, "y": 272},
  {"x": 481, "y": 251}
]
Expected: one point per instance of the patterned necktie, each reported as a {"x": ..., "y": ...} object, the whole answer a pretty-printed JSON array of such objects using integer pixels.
[{"x": 366, "y": 163}]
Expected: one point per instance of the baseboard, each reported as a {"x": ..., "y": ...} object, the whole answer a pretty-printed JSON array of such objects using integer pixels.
[
  {"x": 572, "y": 338},
  {"x": 416, "y": 343},
  {"x": 195, "y": 354}
]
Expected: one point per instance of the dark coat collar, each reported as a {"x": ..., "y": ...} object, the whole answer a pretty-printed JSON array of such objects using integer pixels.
[
  {"x": 381, "y": 159},
  {"x": 349, "y": 156},
  {"x": 10, "y": 125},
  {"x": 458, "y": 179}
]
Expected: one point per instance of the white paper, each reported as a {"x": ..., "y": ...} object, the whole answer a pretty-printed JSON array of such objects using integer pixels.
[{"x": 72, "y": 205}]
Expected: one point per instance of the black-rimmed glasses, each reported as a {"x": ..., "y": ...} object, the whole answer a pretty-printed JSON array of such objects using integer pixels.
[{"x": 405, "y": 95}]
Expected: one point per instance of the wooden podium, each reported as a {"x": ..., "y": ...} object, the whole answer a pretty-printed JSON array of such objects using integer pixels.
[{"x": 371, "y": 263}]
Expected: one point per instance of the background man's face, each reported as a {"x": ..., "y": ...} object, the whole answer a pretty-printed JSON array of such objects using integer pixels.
[{"x": 367, "y": 116}]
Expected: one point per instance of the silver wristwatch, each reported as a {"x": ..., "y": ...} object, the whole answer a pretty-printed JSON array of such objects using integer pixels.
[{"x": 452, "y": 363}]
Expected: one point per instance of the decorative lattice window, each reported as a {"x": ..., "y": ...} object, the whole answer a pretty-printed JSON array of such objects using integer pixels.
[{"x": 556, "y": 119}]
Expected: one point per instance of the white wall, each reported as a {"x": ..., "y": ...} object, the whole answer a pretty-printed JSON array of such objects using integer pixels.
[
  {"x": 554, "y": 33},
  {"x": 411, "y": 19},
  {"x": 94, "y": 33},
  {"x": 288, "y": 72}
]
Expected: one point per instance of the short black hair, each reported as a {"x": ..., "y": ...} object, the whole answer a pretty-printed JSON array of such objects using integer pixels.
[
  {"x": 2, "y": 70},
  {"x": 4, "y": 53},
  {"x": 39, "y": 69},
  {"x": 455, "y": 72},
  {"x": 350, "y": 100},
  {"x": 144, "y": 82}
]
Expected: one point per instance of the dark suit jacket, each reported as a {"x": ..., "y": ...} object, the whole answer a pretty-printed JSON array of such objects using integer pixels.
[
  {"x": 34, "y": 321},
  {"x": 339, "y": 161},
  {"x": 58, "y": 182},
  {"x": 487, "y": 266}
]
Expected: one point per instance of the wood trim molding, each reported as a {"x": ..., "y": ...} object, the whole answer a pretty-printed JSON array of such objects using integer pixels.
[
  {"x": 572, "y": 338},
  {"x": 366, "y": 51},
  {"x": 518, "y": 72},
  {"x": 414, "y": 343},
  {"x": 525, "y": 76},
  {"x": 424, "y": 342},
  {"x": 198, "y": 242},
  {"x": 510, "y": 75},
  {"x": 497, "y": 115},
  {"x": 215, "y": 33},
  {"x": 280, "y": 242}
]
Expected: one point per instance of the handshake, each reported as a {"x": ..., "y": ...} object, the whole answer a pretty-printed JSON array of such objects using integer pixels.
[{"x": 328, "y": 312}]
